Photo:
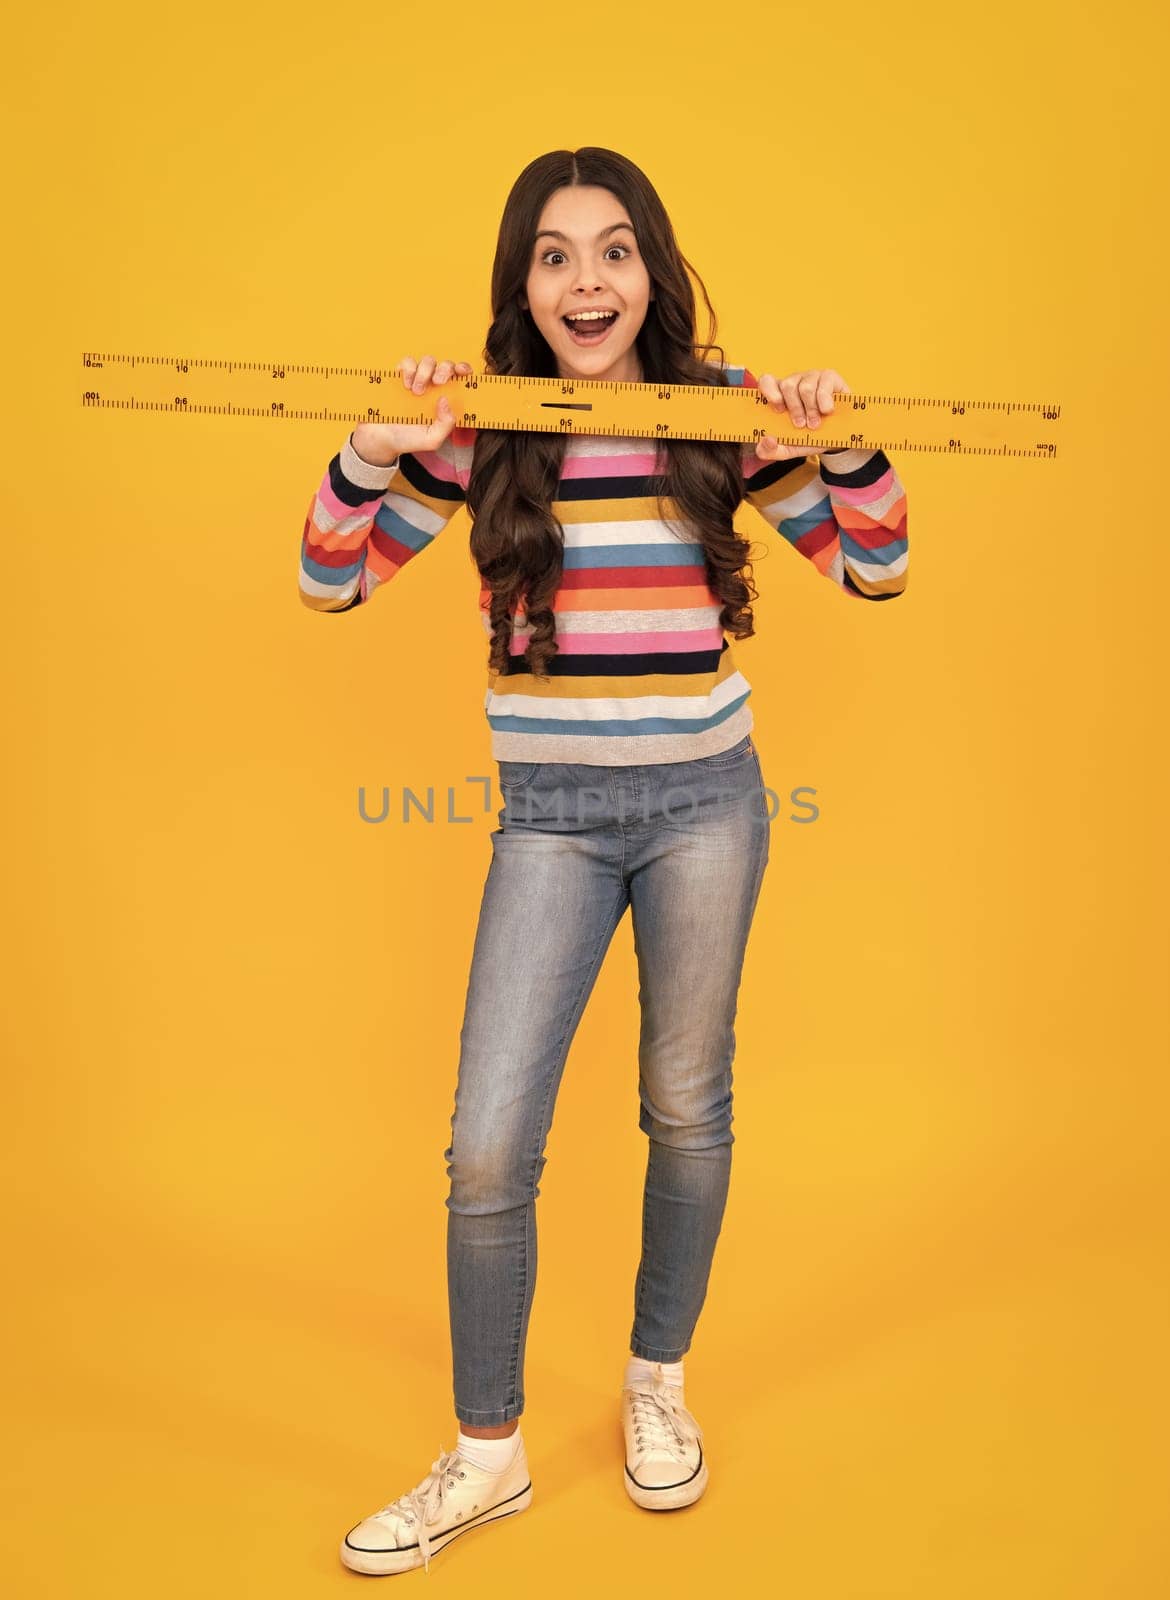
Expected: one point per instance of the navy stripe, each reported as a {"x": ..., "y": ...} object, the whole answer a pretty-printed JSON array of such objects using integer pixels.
[
  {"x": 848, "y": 583},
  {"x": 622, "y": 666},
  {"x": 868, "y": 472}
]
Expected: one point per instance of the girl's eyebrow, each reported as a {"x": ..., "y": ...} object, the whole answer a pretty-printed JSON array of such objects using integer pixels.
[{"x": 551, "y": 233}]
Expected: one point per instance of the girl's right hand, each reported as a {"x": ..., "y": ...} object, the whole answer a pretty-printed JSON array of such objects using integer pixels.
[{"x": 380, "y": 443}]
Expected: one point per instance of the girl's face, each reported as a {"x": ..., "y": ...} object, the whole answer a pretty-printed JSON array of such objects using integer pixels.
[{"x": 586, "y": 256}]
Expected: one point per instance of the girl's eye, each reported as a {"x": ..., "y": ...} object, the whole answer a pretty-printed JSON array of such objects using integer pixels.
[{"x": 548, "y": 253}]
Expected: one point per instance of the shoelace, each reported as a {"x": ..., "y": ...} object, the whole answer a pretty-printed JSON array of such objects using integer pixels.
[
  {"x": 660, "y": 1416},
  {"x": 425, "y": 1502}
]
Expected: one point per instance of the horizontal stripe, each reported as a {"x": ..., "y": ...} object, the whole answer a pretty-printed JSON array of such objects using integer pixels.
[
  {"x": 632, "y": 642},
  {"x": 596, "y": 686},
  {"x": 635, "y": 555},
  {"x": 588, "y": 747},
  {"x": 633, "y": 531},
  {"x": 624, "y": 710},
  {"x": 637, "y": 463},
  {"x": 579, "y": 583},
  {"x": 638, "y": 663},
  {"x": 647, "y": 619},
  {"x": 608, "y": 609},
  {"x": 615, "y": 726}
]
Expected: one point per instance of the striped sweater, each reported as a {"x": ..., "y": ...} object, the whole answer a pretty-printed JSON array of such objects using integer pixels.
[{"x": 644, "y": 672}]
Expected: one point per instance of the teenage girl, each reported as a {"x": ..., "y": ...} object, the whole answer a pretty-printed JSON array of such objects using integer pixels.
[{"x": 610, "y": 574}]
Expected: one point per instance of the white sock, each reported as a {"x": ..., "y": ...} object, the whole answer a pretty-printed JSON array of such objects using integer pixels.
[
  {"x": 491, "y": 1454},
  {"x": 637, "y": 1368}
]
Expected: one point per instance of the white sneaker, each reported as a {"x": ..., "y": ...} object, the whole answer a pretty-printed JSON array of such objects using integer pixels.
[
  {"x": 665, "y": 1468},
  {"x": 455, "y": 1496}
]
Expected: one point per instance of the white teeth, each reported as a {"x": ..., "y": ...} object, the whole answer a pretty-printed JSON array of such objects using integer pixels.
[{"x": 589, "y": 316}]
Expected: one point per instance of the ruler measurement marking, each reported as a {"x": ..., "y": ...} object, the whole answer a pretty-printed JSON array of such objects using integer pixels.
[
  {"x": 612, "y": 430},
  {"x": 702, "y": 391},
  {"x": 942, "y": 418}
]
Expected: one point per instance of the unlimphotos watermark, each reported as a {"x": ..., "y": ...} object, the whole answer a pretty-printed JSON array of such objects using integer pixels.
[{"x": 678, "y": 803}]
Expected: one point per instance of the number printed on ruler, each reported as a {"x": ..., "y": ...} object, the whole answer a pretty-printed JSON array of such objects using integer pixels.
[{"x": 288, "y": 391}]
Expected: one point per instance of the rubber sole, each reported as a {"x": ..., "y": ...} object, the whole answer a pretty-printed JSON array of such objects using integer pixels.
[
  {"x": 381, "y": 1563},
  {"x": 668, "y": 1499}
]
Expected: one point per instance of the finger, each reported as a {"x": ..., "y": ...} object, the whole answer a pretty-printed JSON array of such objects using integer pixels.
[
  {"x": 769, "y": 448},
  {"x": 793, "y": 400},
  {"x": 830, "y": 382},
  {"x": 443, "y": 371},
  {"x": 808, "y": 392},
  {"x": 770, "y": 390},
  {"x": 435, "y": 428},
  {"x": 407, "y": 366},
  {"x": 423, "y": 375},
  {"x": 765, "y": 388}
]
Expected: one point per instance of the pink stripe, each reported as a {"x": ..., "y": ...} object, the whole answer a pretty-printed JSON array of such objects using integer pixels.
[
  {"x": 431, "y": 461},
  {"x": 862, "y": 497},
  {"x": 616, "y": 466},
  {"x": 630, "y": 644},
  {"x": 338, "y": 508}
]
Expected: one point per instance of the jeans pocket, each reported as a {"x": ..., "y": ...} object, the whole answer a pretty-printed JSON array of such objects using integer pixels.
[
  {"x": 728, "y": 758},
  {"x": 516, "y": 774}
]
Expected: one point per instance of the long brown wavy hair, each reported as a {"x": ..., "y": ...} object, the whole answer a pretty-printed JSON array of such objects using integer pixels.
[{"x": 516, "y": 542}]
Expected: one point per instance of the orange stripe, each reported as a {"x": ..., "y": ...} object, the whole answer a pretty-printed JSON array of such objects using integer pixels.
[
  {"x": 671, "y": 599},
  {"x": 318, "y": 539},
  {"x": 380, "y": 564}
]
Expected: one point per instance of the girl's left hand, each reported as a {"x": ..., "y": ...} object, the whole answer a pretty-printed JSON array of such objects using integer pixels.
[{"x": 806, "y": 397}]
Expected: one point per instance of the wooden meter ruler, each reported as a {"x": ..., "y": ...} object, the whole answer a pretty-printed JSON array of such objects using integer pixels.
[{"x": 289, "y": 391}]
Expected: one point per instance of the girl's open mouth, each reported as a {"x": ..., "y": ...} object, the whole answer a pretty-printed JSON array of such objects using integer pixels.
[{"x": 591, "y": 331}]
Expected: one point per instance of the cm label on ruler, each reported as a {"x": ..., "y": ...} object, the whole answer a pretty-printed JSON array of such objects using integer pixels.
[{"x": 289, "y": 391}]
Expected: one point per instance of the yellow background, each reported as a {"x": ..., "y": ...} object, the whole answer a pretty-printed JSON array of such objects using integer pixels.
[{"x": 932, "y": 1358}]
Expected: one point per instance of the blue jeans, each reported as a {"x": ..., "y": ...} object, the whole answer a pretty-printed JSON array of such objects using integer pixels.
[{"x": 684, "y": 844}]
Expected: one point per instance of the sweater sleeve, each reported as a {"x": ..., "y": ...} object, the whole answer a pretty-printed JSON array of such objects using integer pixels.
[
  {"x": 366, "y": 522},
  {"x": 844, "y": 510}
]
